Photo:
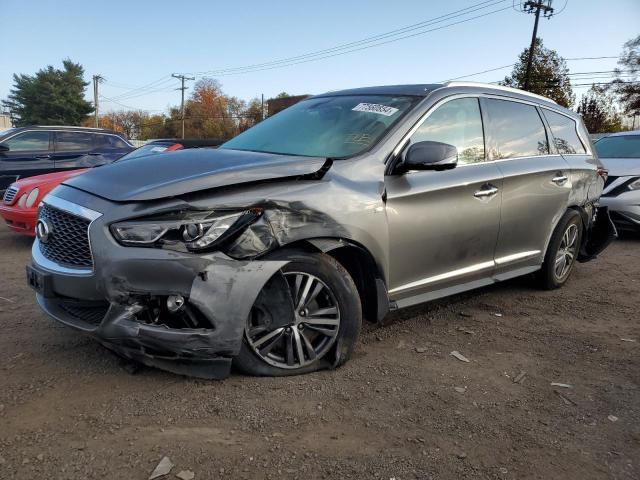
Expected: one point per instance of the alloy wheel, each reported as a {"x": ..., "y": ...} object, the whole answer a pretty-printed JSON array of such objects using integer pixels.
[
  {"x": 566, "y": 251},
  {"x": 314, "y": 329}
]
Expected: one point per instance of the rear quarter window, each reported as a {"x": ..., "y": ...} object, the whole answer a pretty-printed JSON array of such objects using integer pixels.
[
  {"x": 515, "y": 130},
  {"x": 565, "y": 134},
  {"x": 111, "y": 141}
]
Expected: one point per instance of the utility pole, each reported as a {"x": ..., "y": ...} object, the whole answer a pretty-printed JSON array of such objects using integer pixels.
[
  {"x": 96, "y": 80},
  {"x": 261, "y": 106},
  {"x": 182, "y": 78},
  {"x": 536, "y": 7}
]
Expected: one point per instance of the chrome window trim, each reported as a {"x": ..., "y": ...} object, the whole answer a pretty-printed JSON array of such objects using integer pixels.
[
  {"x": 402, "y": 143},
  {"x": 396, "y": 151},
  {"x": 470, "y": 269},
  {"x": 73, "y": 209},
  {"x": 501, "y": 88}
]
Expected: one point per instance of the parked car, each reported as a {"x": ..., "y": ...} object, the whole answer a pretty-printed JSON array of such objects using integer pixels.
[
  {"x": 270, "y": 250},
  {"x": 36, "y": 150},
  {"x": 20, "y": 203},
  {"x": 620, "y": 154}
]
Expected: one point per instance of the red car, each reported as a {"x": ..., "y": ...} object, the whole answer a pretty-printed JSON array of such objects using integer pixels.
[{"x": 21, "y": 200}]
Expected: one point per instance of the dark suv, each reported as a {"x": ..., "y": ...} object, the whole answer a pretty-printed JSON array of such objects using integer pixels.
[{"x": 29, "y": 151}]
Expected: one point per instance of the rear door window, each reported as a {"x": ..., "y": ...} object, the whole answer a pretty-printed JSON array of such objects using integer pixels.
[
  {"x": 564, "y": 131},
  {"x": 73, "y": 141},
  {"x": 515, "y": 130},
  {"x": 29, "y": 142},
  {"x": 111, "y": 141},
  {"x": 458, "y": 123}
]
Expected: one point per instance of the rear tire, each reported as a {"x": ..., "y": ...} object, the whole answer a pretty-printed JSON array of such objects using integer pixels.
[
  {"x": 562, "y": 252},
  {"x": 306, "y": 318}
]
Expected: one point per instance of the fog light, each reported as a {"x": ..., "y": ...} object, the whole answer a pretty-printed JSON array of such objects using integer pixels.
[{"x": 175, "y": 303}]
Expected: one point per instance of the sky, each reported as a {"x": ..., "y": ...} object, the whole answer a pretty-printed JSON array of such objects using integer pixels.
[{"x": 137, "y": 44}]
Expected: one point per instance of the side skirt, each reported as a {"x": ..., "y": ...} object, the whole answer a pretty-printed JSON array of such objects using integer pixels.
[{"x": 464, "y": 287}]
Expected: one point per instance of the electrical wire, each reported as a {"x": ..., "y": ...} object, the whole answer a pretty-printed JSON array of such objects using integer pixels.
[{"x": 343, "y": 50}]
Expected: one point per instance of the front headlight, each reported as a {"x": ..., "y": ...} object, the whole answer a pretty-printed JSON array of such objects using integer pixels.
[
  {"x": 23, "y": 200},
  {"x": 195, "y": 231},
  {"x": 635, "y": 185},
  {"x": 33, "y": 196}
]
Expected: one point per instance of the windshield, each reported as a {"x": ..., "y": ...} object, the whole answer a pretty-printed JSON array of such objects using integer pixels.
[
  {"x": 149, "y": 149},
  {"x": 624, "y": 146},
  {"x": 334, "y": 127}
]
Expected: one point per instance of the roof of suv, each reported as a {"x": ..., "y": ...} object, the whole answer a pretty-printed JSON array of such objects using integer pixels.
[
  {"x": 422, "y": 90},
  {"x": 67, "y": 127}
]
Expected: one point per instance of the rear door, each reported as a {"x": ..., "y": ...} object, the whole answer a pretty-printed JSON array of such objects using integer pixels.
[
  {"x": 536, "y": 183},
  {"x": 110, "y": 147},
  {"x": 29, "y": 154},
  {"x": 73, "y": 150},
  {"x": 443, "y": 225}
]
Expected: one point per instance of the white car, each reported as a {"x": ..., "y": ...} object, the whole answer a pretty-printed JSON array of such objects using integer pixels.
[{"x": 620, "y": 154}]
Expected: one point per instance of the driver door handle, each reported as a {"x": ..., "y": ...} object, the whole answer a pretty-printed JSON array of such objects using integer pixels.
[
  {"x": 559, "y": 179},
  {"x": 486, "y": 191},
  {"x": 42, "y": 157}
]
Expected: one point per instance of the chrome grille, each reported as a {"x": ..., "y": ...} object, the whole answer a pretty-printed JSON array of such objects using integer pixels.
[
  {"x": 10, "y": 195},
  {"x": 68, "y": 242}
]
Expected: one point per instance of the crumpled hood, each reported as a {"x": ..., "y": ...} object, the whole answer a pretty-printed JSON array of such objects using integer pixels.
[
  {"x": 621, "y": 167},
  {"x": 172, "y": 174}
]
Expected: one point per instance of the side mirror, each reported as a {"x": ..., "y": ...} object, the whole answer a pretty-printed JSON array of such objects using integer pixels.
[
  {"x": 4, "y": 148},
  {"x": 430, "y": 156}
]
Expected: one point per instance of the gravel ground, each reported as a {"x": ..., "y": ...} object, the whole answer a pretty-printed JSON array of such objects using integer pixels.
[{"x": 402, "y": 408}]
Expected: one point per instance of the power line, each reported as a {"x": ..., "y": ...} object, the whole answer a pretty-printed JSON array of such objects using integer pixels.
[
  {"x": 540, "y": 6},
  {"x": 182, "y": 88},
  {"x": 96, "y": 80},
  {"x": 318, "y": 56}
]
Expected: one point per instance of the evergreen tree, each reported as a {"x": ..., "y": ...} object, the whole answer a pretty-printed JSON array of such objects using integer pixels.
[
  {"x": 549, "y": 75},
  {"x": 50, "y": 97}
]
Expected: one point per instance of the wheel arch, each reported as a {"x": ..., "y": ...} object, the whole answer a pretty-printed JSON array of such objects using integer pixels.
[{"x": 362, "y": 267}]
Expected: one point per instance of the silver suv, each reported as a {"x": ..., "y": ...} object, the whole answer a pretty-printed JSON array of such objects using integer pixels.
[{"x": 269, "y": 251}]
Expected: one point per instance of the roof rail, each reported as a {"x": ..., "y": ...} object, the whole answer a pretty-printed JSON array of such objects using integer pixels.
[
  {"x": 498, "y": 87},
  {"x": 67, "y": 126}
]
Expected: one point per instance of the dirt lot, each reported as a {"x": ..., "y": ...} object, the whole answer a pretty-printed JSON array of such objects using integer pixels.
[{"x": 402, "y": 408}]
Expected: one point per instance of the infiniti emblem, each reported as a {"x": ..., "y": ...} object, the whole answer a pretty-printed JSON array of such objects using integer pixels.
[{"x": 43, "y": 231}]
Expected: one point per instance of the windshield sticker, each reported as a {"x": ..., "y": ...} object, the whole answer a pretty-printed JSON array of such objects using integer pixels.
[
  {"x": 375, "y": 108},
  {"x": 358, "y": 138}
]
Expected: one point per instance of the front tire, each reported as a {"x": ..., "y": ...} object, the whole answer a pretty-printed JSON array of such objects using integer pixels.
[
  {"x": 306, "y": 318},
  {"x": 562, "y": 251}
]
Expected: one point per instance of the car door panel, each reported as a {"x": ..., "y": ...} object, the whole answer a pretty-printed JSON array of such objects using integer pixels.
[
  {"x": 20, "y": 163},
  {"x": 533, "y": 203},
  {"x": 443, "y": 225},
  {"x": 536, "y": 183},
  {"x": 72, "y": 150},
  {"x": 441, "y": 232}
]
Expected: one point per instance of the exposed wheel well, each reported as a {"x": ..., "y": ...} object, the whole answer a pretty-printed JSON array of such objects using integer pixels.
[{"x": 363, "y": 270}]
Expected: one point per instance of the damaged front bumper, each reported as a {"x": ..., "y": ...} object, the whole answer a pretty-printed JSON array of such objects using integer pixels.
[{"x": 125, "y": 306}]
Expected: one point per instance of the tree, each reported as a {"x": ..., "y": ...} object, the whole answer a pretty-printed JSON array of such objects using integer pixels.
[
  {"x": 283, "y": 95},
  {"x": 127, "y": 122},
  {"x": 598, "y": 112},
  {"x": 549, "y": 74},
  {"x": 51, "y": 96},
  {"x": 251, "y": 115},
  {"x": 626, "y": 86}
]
